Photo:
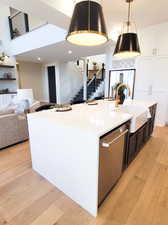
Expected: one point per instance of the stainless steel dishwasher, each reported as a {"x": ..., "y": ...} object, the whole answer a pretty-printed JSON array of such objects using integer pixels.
[{"x": 111, "y": 160}]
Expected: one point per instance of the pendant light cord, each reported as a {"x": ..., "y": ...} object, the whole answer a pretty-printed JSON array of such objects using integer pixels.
[
  {"x": 129, "y": 15},
  {"x": 89, "y": 15}
]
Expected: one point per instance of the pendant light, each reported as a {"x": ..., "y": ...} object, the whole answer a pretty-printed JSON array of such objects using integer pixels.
[
  {"x": 87, "y": 26},
  {"x": 127, "y": 45}
]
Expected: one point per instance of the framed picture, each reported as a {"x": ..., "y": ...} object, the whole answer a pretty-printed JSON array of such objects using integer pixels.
[
  {"x": 18, "y": 24},
  {"x": 125, "y": 76}
]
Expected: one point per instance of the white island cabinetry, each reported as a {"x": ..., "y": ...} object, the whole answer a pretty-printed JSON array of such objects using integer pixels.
[{"x": 65, "y": 148}]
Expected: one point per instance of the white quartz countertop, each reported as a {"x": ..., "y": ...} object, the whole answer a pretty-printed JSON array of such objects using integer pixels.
[
  {"x": 140, "y": 103},
  {"x": 98, "y": 119}
]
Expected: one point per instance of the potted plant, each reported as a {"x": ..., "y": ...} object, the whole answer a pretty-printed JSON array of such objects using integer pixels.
[
  {"x": 3, "y": 57},
  {"x": 95, "y": 66}
]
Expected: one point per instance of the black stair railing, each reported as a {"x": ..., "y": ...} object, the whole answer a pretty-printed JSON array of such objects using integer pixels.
[
  {"x": 103, "y": 71},
  {"x": 92, "y": 85}
]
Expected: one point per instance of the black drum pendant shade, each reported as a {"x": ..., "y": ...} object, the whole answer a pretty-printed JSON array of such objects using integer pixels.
[
  {"x": 127, "y": 46},
  {"x": 87, "y": 26}
]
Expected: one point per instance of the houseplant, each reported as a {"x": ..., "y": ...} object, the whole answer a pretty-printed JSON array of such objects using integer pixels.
[{"x": 95, "y": 66}]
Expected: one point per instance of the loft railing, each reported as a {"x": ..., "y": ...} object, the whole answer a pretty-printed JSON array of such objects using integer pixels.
[
  {"x": 20, "y": 23},
  {"x": 90, "y": 81}
]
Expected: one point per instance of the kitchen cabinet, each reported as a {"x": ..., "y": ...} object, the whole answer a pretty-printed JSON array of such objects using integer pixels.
[
  {"x": 140, "y": 138},
  {"x": 137, "y": 140},
  {"x": 131, "y": 147}
]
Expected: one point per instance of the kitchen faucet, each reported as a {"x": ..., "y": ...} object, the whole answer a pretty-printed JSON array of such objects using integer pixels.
[{"x": 117, "y": 99}]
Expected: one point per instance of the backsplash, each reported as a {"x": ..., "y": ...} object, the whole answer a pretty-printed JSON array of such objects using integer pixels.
[{"x": 123, "y": 64}]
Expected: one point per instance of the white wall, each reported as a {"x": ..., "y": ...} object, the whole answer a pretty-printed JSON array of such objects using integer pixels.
[
  {"x": 43, "y": 36},
  {"x": 30, "y": 76},
  {"x": 99, "y": 59},
  {"x": 44, "y": 9},
  {"x": 4, "y": 27},
  {"x": 35, "y": 22},
  {"x": 71, "y": 81},
  {"x": 152, "y": 67},
  {"x": 4, "y": 47},
  {"x": 109, "y": 66}
]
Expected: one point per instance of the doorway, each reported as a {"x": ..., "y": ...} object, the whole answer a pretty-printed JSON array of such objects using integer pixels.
[{"x": 52, "y": 84}]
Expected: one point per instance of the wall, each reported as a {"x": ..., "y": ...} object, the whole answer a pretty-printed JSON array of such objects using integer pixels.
[
  {"x": 152, "y": 67},
  {"x": 45, "y": 35},
  {"x": 111, "y": 63},
  {"x": 4, "y": 47},
  {"x": 4, "y": 27},
  {"x": 30, "y": 76},
  {"x": 35, "y": 22},
  {"x": 99, "y": 59},
  {"x": 123, "y": 64},
  {"x": 71, "y": 81}
]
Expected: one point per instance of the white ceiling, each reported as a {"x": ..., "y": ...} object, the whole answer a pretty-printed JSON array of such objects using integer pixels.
[
  {"x": 41, "y": 9},
  {"x": 58, "y": 12},
  {"x": 144, "y": 13},
  {"x": 60, "y": 52}
]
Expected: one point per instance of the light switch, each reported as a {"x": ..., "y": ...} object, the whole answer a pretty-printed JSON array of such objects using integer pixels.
[{"x": 154, "y": 51}]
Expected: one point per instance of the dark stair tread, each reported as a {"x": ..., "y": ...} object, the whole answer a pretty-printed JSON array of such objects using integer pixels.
[{"x": 90, "y": 90}]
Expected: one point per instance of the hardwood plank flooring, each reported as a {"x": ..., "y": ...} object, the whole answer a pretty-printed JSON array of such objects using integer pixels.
[{"x": 139, "y": 198}]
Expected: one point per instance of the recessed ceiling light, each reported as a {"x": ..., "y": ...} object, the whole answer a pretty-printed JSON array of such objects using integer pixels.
[
  {"x": 39, "y": 59},
  {"x": 69, "y": 52}
]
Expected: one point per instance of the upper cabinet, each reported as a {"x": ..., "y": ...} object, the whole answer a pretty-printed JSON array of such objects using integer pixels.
[{"x": 153, "y": 40}]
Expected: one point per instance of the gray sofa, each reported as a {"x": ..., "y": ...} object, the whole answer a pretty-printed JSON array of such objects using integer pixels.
[{"x": 13, "y": 129}]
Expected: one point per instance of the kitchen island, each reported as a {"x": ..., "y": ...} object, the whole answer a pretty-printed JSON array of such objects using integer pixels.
[{"x": 65, "y": 147}]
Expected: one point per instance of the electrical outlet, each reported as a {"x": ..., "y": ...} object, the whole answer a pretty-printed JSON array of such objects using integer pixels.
[{"x": 150, "y": 90}]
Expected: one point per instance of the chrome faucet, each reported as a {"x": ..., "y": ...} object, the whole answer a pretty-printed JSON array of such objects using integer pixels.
[{"x": 117, "y": 99}]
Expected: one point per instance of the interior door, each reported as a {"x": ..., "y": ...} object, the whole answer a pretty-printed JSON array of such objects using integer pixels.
[{"x": 52, "y": 84}]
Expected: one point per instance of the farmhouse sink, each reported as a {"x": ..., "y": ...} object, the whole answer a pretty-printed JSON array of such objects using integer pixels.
[{"x": 140, "y": 115}]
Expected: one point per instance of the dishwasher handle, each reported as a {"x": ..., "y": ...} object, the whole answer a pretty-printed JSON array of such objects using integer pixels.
[{"x": 107, "y": 145}]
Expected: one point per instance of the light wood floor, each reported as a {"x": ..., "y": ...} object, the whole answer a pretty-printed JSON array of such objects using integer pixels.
[{"x": 140, "y": 197}]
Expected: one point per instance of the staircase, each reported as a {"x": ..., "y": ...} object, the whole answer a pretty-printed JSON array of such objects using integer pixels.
[
  {"x": 79, "y": 97},
  {"x": 95, "y": 87},
  {"x": 92, "y": 86}
]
